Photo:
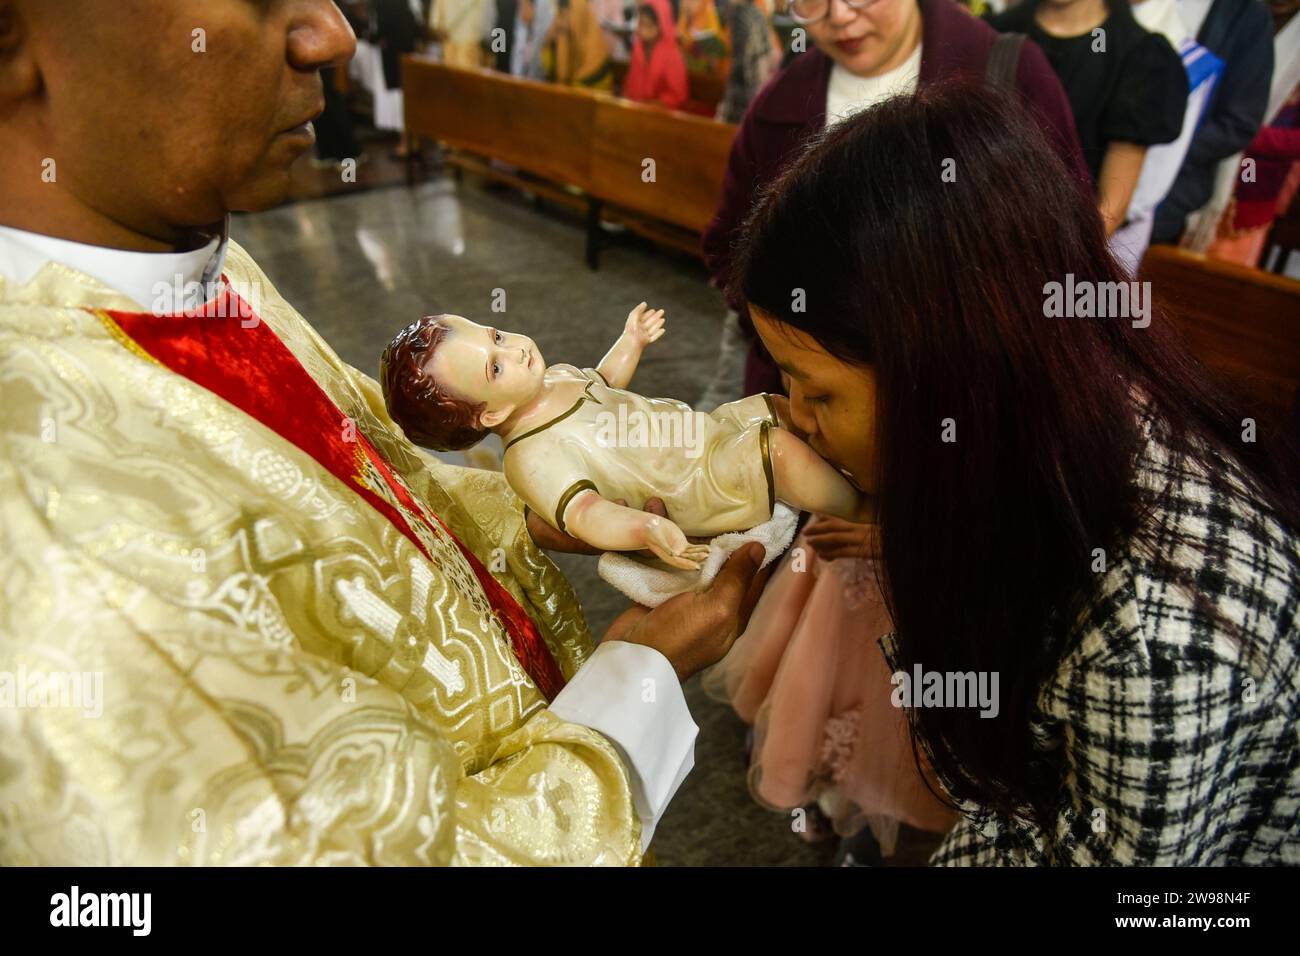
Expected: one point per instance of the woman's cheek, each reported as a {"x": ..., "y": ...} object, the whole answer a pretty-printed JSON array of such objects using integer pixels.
[
  {"x": 829, "y": 432},
  {"x": 844, "y": 438}
]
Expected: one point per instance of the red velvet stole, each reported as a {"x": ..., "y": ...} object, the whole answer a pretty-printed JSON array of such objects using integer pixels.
[{"x": 225, "y": 348}]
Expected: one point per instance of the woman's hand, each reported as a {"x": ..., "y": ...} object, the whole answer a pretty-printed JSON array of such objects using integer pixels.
[
  {"x": 832, "y": 538},
  {"x": 696, "y": 629}
]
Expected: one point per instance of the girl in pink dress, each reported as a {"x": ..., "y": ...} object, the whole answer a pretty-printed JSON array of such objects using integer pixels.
[{"x": 810, "y": 677}]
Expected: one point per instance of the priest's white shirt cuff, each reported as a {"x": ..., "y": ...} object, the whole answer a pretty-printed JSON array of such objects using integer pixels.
[{"x": 631, "y": 694}]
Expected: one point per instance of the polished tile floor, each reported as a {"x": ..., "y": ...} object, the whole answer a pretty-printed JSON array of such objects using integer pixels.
[{"x": 361, "y": 266}]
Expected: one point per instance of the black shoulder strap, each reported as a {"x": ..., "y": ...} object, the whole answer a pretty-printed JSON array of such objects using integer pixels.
[{"x": 1004, "y": 59}]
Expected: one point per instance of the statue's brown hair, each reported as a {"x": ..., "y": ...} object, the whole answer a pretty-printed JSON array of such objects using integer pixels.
[{"x": 428, "y": 413}]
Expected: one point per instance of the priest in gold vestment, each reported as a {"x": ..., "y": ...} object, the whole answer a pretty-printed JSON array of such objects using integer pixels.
[{"x": 245, "y": 627}]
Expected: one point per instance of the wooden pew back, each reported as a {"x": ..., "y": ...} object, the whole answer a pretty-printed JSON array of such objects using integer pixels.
[
  {"x": 1241, "y": 322},
  {"x": 545, "y": 129},
  {"x": 589, "y": 139},
  {"x": 689, "y": 154}
]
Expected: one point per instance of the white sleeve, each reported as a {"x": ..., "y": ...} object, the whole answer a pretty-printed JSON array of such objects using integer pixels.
[{"x": 631, "y": 694}]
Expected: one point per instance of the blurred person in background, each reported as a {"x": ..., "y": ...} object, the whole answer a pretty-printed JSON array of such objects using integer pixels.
[
  {"x": 575, "y": 51},
  {"x": 1273, "y": 156},
  {"x": 1240, "y": 33},
  {"x": 1127, "y": 87},
  {"x": 755, "y": 56},
  {"x": 657, "y": 73}
]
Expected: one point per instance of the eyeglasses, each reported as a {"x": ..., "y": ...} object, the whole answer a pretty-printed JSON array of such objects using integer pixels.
[{"x": 810, "y": 11}]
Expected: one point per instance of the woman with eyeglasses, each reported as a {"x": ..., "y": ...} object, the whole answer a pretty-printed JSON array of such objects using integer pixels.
[{"x": 862, "y": 52}]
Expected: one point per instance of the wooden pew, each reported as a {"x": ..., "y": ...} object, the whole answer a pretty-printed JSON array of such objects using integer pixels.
[
  {"x": 543, "y": 128},
  {"x": 689, "y": 154},
  {"x": 690, "y": 157},
  {"x": 586, "y": 139},
  {"x": 1243, "y": 323}
]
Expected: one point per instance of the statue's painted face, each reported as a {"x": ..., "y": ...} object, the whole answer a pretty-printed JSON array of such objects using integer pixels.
[{"x": 502, "y": 370}]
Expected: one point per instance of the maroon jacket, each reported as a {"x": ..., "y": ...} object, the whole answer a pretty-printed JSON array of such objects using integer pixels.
[{"x": 792, "y": 107}]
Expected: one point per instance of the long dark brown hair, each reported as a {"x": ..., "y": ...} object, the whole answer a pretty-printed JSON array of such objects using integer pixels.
[{"x": 938, "y": 283}]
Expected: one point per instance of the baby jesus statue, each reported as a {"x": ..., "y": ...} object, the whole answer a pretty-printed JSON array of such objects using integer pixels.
[{"x": 576, "y": 439}]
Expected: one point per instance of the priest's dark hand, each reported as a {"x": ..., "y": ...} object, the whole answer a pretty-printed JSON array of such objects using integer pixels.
[{"x": 696, "y": 629}]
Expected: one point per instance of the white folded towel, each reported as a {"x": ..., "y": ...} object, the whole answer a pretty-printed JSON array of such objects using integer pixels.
[{"x": 649, "y": 581}]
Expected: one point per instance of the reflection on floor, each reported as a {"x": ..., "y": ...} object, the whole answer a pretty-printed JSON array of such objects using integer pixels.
[
  {"x": 360, "y": 266},
  {"x": 377, "y": 166}
]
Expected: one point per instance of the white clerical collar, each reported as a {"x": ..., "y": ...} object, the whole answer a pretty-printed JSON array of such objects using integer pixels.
[{"x": 156, "y": 281}]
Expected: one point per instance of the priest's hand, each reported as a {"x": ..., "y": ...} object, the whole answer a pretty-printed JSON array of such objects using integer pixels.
[{"x": 696, "y": 629}]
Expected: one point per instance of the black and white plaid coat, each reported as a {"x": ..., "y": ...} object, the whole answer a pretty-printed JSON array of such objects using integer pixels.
[{"x": 1178, "y": 734}]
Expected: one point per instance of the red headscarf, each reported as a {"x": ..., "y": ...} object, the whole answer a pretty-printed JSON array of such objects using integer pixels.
[{"x": 663, "y": 78}]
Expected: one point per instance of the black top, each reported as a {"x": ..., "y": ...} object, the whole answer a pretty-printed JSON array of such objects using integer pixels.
[
  {"x": 1133, "y": 92},
  {"x": 399, "y": 32}
]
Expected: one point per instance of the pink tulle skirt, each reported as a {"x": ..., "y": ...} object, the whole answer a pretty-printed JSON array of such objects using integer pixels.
[{"x": 809, "y": 675}]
